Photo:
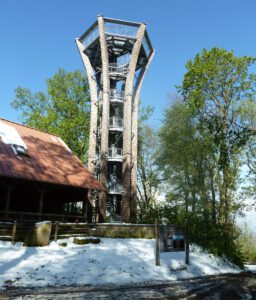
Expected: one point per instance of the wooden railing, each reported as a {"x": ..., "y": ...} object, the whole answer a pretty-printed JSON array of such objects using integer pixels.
[
  {"x": 30, "y": 217},
  {"x": 15, "y": 225},
  {"x": 8, "y": 231},
  {"x": 62, "y": 230}
]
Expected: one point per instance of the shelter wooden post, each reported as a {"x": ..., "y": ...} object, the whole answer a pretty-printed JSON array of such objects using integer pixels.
[
  {"x": 85, "y": 210},
  {"x": 56, "y": 231},
  {"x": 41, "y": 202},
  {"x": 8, "y": 200},
  {"x": 14, "y": 230},
  {"x": 21, "y": 217}
]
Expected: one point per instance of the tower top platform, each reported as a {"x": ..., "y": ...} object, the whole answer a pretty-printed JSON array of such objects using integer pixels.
[{"x": 120, "y": 36}]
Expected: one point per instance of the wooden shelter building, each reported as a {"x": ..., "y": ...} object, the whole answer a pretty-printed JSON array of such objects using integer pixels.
[{"x": 40, "y": 175}]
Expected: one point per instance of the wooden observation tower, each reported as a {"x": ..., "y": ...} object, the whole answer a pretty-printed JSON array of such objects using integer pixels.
[{"x": 116, "y": 55}]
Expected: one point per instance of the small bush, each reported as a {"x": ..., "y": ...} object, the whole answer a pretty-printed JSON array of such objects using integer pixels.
[
  {"x": 218, "y": 239},
  {"x": 247, "y": 243},
  {"x": 78, "y": 241},
  {"x": 63, "y": 244}
]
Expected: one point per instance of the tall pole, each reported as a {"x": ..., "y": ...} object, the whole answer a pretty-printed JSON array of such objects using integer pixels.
[
  {"x": 186, "y": 243},
  {"x": 105, "y": 115},
  {"x": 94, "y": 106},
  {"x": 157, "y": 243},
  {"x": 93, "y": 116},
  {"x": 127, "y": 135}
]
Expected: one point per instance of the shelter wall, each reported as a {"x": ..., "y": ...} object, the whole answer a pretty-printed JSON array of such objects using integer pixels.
[{"x": 36, "y": 197}]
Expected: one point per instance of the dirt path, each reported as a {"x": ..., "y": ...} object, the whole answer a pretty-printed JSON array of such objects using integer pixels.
[{"x": 223, "y": 287}]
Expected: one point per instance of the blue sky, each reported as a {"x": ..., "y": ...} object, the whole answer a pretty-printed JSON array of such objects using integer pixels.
[{"x": 37, "y": 37}]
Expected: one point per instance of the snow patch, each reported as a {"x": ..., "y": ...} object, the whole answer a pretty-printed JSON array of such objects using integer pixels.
[
  {"x": 42, "y": 223},
  {"x": 250, "y": 268},
  {"x": 9, "y": 135}
]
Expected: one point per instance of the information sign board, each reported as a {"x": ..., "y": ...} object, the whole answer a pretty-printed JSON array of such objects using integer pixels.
[{"x": 171, "y": 238}]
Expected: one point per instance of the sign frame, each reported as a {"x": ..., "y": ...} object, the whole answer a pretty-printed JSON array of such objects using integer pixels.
[{"x": 170, "y": 238}]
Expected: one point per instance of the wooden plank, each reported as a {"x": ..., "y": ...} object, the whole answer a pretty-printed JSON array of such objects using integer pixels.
[
  {"x": 43, "y": 214},
  {"x": 56, "y": 231},
  {"x": 14, "y": 229}
]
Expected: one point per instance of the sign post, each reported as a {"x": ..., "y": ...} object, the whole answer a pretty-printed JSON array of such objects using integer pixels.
[
  {"x": 157, "y": 243},
  {"x": 186, "y": 243}
]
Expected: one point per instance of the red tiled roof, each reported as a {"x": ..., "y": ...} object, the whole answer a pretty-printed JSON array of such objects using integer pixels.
[{"x": 48, "y": 160}]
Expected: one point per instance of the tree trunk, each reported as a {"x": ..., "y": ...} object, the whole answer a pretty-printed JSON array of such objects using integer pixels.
[
  {"x": 213, "y": 196},
  {"x": 225, "y": 169}
]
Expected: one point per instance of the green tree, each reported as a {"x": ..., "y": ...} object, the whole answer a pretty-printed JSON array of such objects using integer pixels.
[
  {"x": 186, "y": 157},
  {"x": 148, "y": 179},
  {"x": 63, "y": 109},
  {"x": 247, "y": 242},
  {"x": 202, "y": 143},
  {"x": 220, "y": 88}
]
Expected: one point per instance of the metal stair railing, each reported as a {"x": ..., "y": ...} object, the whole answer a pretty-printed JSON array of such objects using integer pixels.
[
  {"x": 116, "y": 122},
  {"x": 115, "y": 187},
  {"x": 114, "y": 94},
  {"x": 116, "y": 69},
  {"x": 114, "y": 152}
]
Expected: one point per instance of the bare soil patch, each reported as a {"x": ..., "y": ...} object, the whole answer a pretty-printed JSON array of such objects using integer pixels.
[{"x": 223, "y": 287}]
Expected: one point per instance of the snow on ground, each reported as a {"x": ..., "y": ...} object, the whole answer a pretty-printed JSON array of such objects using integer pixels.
[
  {"x": 250, "y": 268},
  {"x": 113, "y": 261}
]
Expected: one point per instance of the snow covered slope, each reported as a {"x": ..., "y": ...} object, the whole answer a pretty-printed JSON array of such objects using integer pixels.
[{"x": 113, "y": 261}]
